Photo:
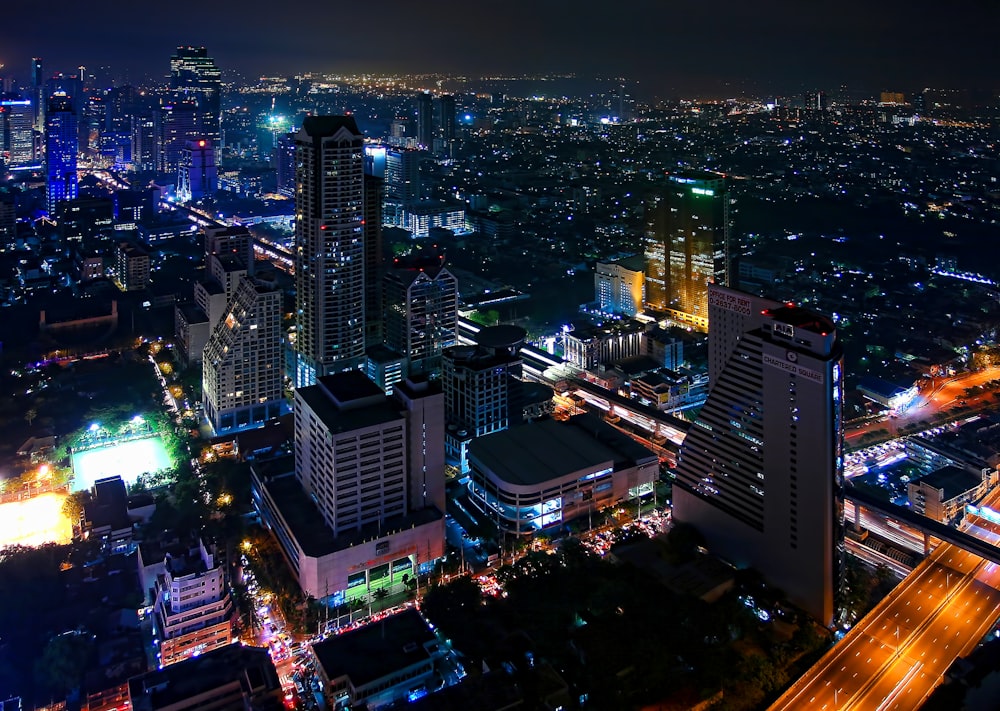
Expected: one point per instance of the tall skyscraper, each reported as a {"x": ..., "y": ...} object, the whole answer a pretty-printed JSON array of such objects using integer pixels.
[
  {"x": 760, "y": 473},
  {"x": 284, "y": 164},
  {"x": 425, "y": 119},
  {"x": 374, "y": 189},
  {"x": 175, "y": 123},
  {"x": 329, "y": 247},
  {"x": 17, "y": 137},
  {"x": 60, "y": 151},
  {"x": 420, "y": 301},
  {"x": 197, "y": 176},
  {"x": 402, "y": 183},
  {"x": 688, "y": 236},
  {"x": 195, "y": 77},
  {"x": 242, "y": 368},
  {"x": 446, "y": 117},
  {"x": 38, "y": 95}
]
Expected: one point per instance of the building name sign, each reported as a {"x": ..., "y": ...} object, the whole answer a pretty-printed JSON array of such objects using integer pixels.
[
  {"x": 730, "y": 302},
  {"x": 794, "y": 368}
]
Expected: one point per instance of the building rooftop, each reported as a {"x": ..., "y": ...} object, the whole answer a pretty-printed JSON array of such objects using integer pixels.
[
  {"x": 250, "y": 667},
  {"x": 321, "y": 126},
  {"x": 952, "y": 481},
  {"x": 376, "y": 650},
  {"x": 310, "y": 530},
  {"x": 538, "y": 452},
  {"x": 803, "y": 318},
  {"x": 349, "y": 401},
  {"x": 502, "y": 336}
]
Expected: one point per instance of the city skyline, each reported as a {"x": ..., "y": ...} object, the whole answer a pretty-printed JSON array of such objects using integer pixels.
[{"x": 726, "y": 49}]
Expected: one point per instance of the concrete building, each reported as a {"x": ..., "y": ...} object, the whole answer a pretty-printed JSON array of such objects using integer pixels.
[
  {"x": 619, "y": 287},
  {"x": 362, "y": 508},
  {"x": 421, "y": 310},
  {"x": 760, "y": 473},
  {"x": 478, "y": 382},
  {"x": 233, "y": 678},
  {"x": 192, "y": 609},
  {"x": 242, "y": 372},
  {"x": 546, "y": 473},
  {"x": 197, "y": 176},
  {"x": 329, "y": 238},
  {"x": 132, "y": 267},
  {"x": 61, "y": 150},
  {"x": 687, "y": 245},
  {"x": 943, "y": 494},
  {"x": 376, "y": 665},
  {"x": 588, "y": 346}
]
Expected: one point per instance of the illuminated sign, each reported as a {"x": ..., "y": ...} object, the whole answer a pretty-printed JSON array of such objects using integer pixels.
[
  {"x": 730, "y": 302},
  {"x": 703, "y": 191},
  {"x": 793, "y": 368},
  {"x": 784, "y": 329}
]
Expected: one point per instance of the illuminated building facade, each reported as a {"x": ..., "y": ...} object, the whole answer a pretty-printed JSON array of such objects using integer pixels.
[
  {"x": 619, "y": 286},
  {"x": 421, "y": 310},
  {"x": 242, "y": 370},
  {"x": 60, "y": 151},
  {"x": 546, "y": 473},
  {"x": 687, "y": 245},
  {"x": 425, "y": 119},
  {"x": 17, "y": 131},
  {"x": 196, "y": 175},
  {"x": 329, "y": 247},
  {"x": 132, "y": 267},
  {"x": 760, "y": 473},
  {"x": 364, "y": 508},
  {"x": 195, "y": 77},
  {"x": 175, "y": 123}
]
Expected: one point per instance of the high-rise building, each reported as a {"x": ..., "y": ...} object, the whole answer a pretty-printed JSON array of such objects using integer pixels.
[
  {"x": 194, "y": 76},
  {"x": 619, "y": 286},
  {"x": 364, "y": 509},
  {"x": 687, "y": 245},
  {"x": 284, "y": 164},
  {"x": 17, "y": 133},
  {"x": 60, "y": 151},
  {"x": 197, "y": 176},
  {"x": 446, "y": 117},
  {"x": 38, "y": 95},
  {"x": 242, "y": 370},
  {"x": 329, "y": 247},
  {"x": 143, "y": 136},
  {"x": 374, "y": 189},
  {"x": 760, "y": 472},
  {"x": 131, "y": 267},
  {"x": 425, "y": 119},
  {"x": 175, "y": 123},
  {"x": 402, "y": 183},
  {"x": 420, "y": 298}
]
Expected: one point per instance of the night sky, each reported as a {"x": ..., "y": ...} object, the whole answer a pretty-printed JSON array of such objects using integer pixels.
[{"x": 721, "y": 48}]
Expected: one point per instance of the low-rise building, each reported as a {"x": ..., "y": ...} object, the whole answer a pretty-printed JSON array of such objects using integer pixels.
[
  {"x": 545, "y": 473},
  {"x": 942, "y": 494}
]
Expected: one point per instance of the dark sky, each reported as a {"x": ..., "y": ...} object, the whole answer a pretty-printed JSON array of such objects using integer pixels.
[{"x": 695, "y": 47}]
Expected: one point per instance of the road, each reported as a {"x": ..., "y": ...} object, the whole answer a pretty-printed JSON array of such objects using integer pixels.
[
  {"x": 899, "y": 652},
  {"x": 935, "y": 398}
]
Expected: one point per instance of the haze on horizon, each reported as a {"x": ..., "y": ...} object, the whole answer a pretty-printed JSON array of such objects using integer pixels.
[{"x": 721, "y": 48}]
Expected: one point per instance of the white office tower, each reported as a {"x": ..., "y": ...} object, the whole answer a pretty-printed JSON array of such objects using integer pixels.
[
  {"x": 760, "y": 472},
  {"x": 329, "y": 247}
]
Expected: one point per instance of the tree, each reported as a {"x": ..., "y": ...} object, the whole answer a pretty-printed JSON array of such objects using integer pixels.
[
  {"x": 30, "y": 415},
  {"x": 63, "y": 661},
  {"x": 72, "y": 507}
]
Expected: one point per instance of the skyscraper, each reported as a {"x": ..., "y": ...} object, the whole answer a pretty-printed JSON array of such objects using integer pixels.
[
  {"x": 197, "y": 176},
  {"x": 17, "y": 139},
  {"x": 38, "y": 95},
  {"x": 195, "y": 77},
  {"x": 687, "y": 245},
  {"x": 242, "y": 370},
  {"x": 425, "y": 119},
  {"x": 60, "y": 151},
  {"x": 374, "y": 189},
  {"x": 420, "y": 301},
  {"x": 175, "y": 123},
  {"x": 760, "y": 472},
  {"x": 329, "y": 247},
  {"x": 446, "y": 117},
  {"x": 284, "y": 164},
  {"x": 402, "y": 183}
]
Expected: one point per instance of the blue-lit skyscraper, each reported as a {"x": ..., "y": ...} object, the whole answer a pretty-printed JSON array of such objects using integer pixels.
[{"x": 60, "y": 151}]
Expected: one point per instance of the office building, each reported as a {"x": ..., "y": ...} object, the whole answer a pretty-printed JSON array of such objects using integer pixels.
[
  {"x": 588, "y": 346},
  {"x": 60, "y": 151},
  {"x": 480, "y": 382},
  {"x": 943, "y": 493},
  {"x": 761, "y": 471},
  {"x": 242, "y": 371},
  {"x": 175, "y": 123},
  {"x": 361, "y": 507},
  {"x": 17, "y": 131},
  {"x": 329, "y": 247},
  {"x": 376, "y": 665},
  {"x": 420, "y": 297},
  {"x": 425, "y": 119},
  {"x": 687, "y": 245},
  {"x": 619, "y": 286},
  {"x": 446, "y": 117},
  {"x": 143, "y": 140},
  {"x": 194, "y": 77},
  {"x": 227, "y": 679},
  {"x": 38, "y": 95},
  {"x": 131, "y": 267},
  {"x": 196, "y": 175},
  {"x": 374, "y": 189},
  {"x": 193, "y": 611},
  {"x": 546, "y": 473},
  {"x": 284, "y": 164},
  {"x": 402, "y": 184}
]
